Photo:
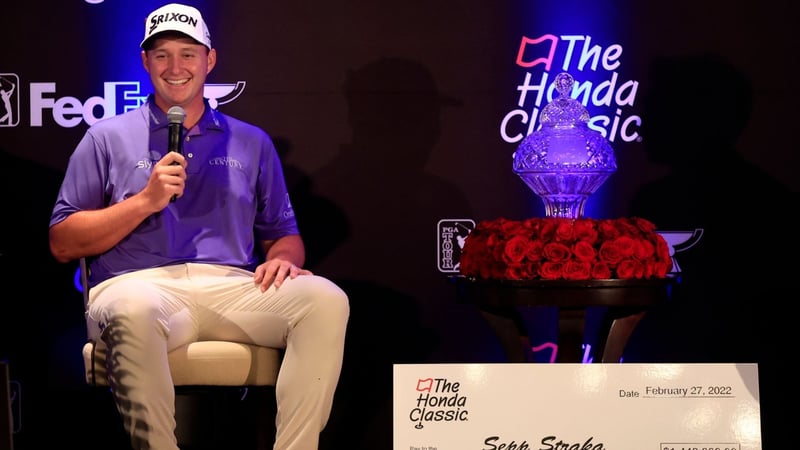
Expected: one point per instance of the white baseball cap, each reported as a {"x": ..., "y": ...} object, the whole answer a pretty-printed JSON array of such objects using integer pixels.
[{"x": 176, "y": 17}]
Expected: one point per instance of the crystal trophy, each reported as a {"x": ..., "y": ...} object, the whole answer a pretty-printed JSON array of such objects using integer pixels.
[{"x": 564, "y": 161}]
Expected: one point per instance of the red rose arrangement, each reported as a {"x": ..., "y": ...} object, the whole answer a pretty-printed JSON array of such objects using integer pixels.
[{"x": 553, "y": 248}]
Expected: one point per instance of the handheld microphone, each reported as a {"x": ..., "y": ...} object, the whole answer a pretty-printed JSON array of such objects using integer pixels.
[{"x": 176, "y": 115}]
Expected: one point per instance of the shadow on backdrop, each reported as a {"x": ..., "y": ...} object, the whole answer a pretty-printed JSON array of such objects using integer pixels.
[
  {"x": 322, "y": 224},
  {"x": 730, "y": 305},
  {"x": 42, "y": 329},
  {"x": 391, "y": 205}
]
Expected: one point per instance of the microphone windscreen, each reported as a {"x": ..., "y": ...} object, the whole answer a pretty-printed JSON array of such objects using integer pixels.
[{"x": 176, "y": 114}]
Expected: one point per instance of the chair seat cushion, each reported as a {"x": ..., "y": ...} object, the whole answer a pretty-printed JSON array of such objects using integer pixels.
[{"x": 212, "y": 363}]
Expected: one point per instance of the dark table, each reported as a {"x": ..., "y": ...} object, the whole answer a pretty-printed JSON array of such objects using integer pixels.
[{"x": 626, "y": 303}]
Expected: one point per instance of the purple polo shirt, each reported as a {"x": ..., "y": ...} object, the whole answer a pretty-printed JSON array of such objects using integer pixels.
[{"x": 235, "y": 190}]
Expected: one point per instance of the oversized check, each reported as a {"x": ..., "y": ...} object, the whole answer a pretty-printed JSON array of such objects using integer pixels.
[{"x": 625, "y": 406}]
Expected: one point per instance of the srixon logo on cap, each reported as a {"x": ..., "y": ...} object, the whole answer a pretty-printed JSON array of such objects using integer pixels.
[{"x": 172, "y": 17}]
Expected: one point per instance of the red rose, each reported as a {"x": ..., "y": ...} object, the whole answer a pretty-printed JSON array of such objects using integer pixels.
[
  {"x": 644, "y": 225},
  {"x": 551, "y": 270},
  {"x": 601, "y": 271},
  {"x": 508, "y": 227},
  {"x": 610, "y": 253},
  {"x": 520, "y": 272},
  {"x": 564, "y": 231},
  {"x": 662, "y": 250},
  {"x": 584, "y": 251},
  {"x": 608, "y": 229},
  {"x": 585, "y": 230},
  {"x": 628, "y": 227},
  {"x": 515, "y": 249},
  {"x": 630, "y": 268},
  {"x": 626, "y": 245},
  {"x": 643, "y": 250},
  {"x": 577, "y": 270},
  {"x": 535, "y": 251},
  {"x": 547, "y": 229},
  {"x": 556, "y": 252},
  {"x": 559, "y": 248}
]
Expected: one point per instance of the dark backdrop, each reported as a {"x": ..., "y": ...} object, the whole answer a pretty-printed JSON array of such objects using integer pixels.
[{"x": 391, "y": 120}]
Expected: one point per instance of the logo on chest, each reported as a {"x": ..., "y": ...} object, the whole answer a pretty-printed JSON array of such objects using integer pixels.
[{"x": 226, "y": 162}]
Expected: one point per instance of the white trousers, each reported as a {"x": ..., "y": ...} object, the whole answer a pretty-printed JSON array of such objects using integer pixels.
[{"x": 143, "y": 315}]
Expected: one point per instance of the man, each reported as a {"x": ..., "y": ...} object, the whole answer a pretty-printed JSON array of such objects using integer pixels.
[{"x": 171, "y": 237}]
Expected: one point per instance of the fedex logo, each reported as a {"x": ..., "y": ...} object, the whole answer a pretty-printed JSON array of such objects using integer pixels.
[
  {"x": 68, "y": 112},
  {"x": 118, "y": 97}
]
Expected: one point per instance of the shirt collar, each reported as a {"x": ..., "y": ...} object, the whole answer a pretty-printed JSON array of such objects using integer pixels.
[{"x": 211, "y": 119}]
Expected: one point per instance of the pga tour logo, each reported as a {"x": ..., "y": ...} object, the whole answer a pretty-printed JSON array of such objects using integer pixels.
[
  {"x": 9, "y": 100},
  {"x": 450, "y": 240}
]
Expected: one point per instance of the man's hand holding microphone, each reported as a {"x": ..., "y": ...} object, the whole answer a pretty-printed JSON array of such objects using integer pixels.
[{"x": 168, "y": 178}]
